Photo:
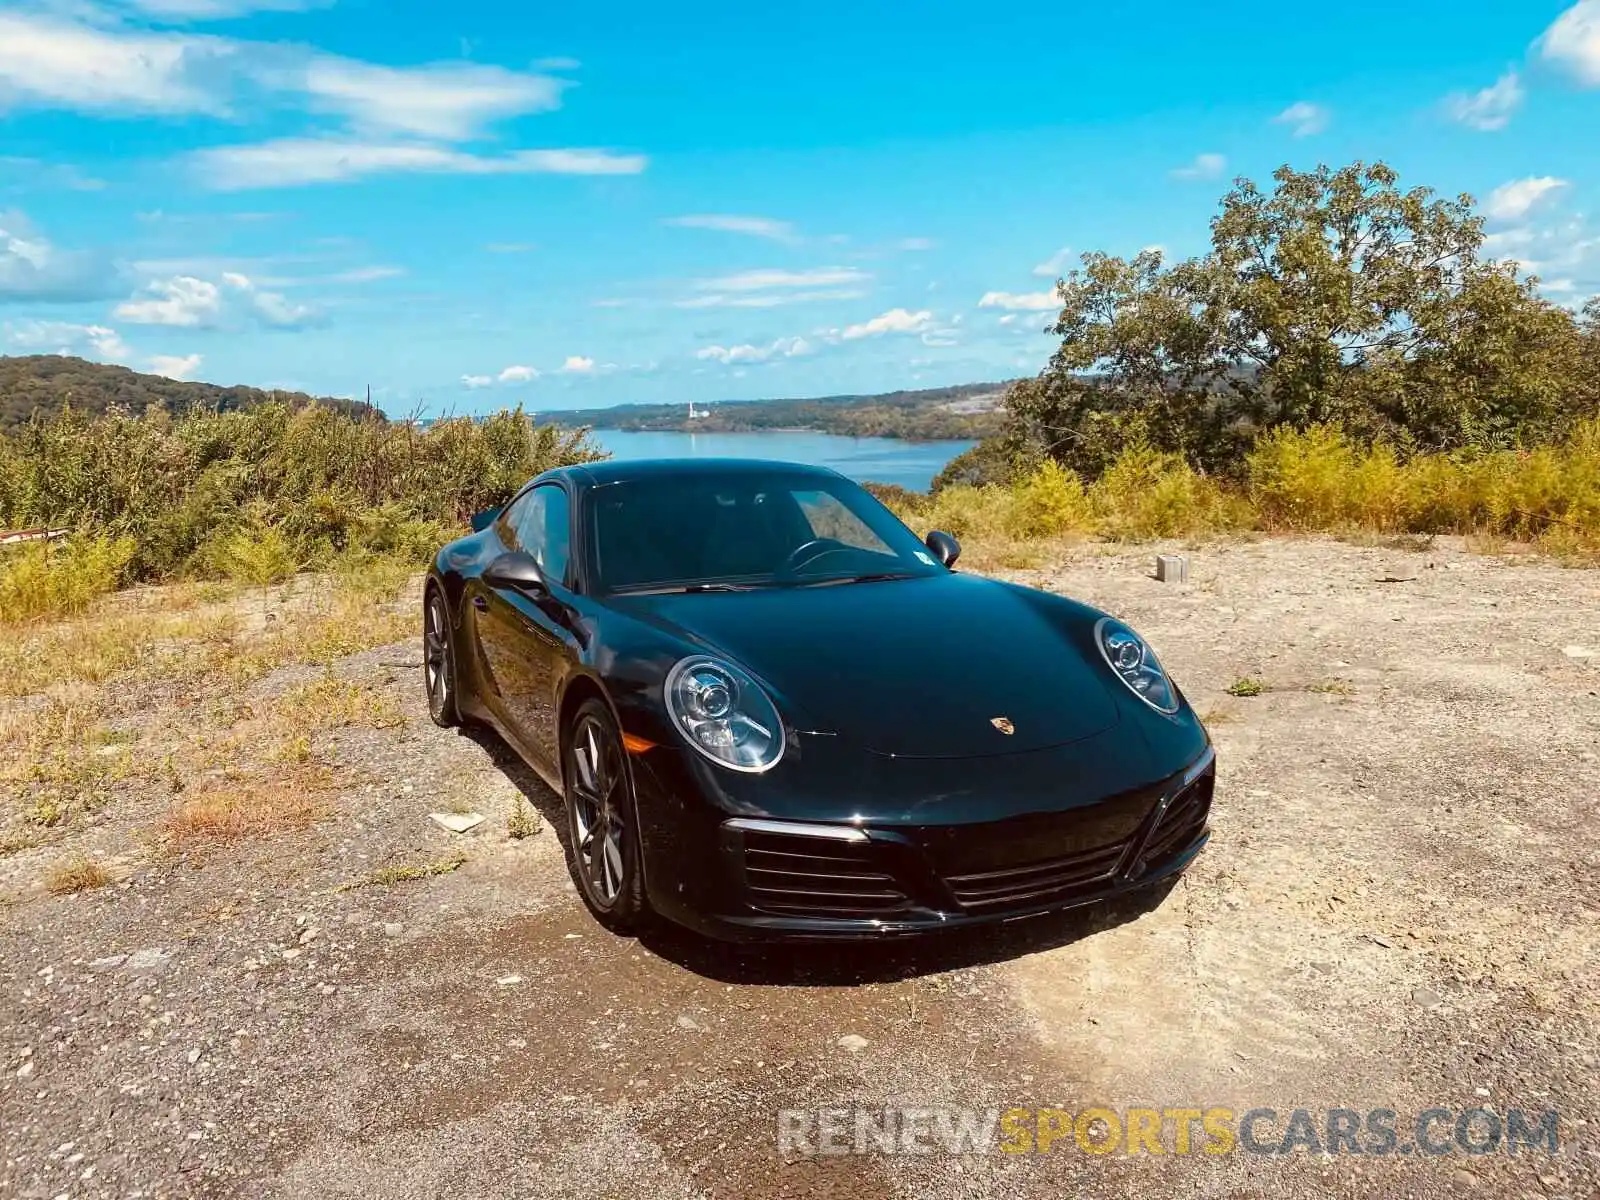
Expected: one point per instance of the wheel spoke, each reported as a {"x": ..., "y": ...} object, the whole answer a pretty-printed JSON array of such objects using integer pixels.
[
  {"x": 612, "y": 853},
  {"x": 595, "y": 780},
  {"x": 586, "y": 776}
]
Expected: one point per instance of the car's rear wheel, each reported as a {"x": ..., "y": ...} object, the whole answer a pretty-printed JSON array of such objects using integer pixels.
[
  {"x": 602, "y": 818},
  {"x": 438, "y": 662}
]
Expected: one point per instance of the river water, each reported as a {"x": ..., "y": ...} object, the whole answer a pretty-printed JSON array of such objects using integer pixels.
[{"x": 881, "y": 460}]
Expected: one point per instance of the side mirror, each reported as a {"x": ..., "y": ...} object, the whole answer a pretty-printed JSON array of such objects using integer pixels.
[
  {"x": 482, "y": 520},
  {"x": 517, "y": 569},
  {"x": 945, "y": 548}
]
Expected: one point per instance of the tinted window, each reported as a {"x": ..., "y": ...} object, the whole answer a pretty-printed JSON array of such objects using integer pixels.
[
  {"x": 759, "y": 528},
  {"x": 540, "y": 524}
]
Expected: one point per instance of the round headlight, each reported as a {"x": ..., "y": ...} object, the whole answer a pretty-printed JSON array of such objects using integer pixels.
[
  {"x": 724, "y": 714},
  {"x": 1133, "y": 662}
]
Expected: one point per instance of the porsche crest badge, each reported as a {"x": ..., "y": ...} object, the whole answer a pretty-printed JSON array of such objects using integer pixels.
[{"x": 1003, "y": 724}]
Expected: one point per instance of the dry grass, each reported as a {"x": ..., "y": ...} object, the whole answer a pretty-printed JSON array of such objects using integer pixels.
[
  {"x": 78, "y": 874},
  {"x": 523, "y": 820},
  {"x": 1318, "y": 480},
  {"x": 330, "y": 703},
  {"x": 403, "y": 873},
  {"x": 225, "y": 810}
]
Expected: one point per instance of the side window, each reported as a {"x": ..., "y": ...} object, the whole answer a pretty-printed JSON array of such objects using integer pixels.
[
  {"x": 540, "y": 524},
  {"x": 829, "y": 518}
]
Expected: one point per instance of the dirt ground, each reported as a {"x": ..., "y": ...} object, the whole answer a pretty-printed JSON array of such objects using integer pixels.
[{"x": 1399, "y": 909}]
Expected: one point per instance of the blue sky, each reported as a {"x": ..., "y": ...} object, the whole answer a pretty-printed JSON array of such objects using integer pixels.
[{"x": 467, "y": 206}]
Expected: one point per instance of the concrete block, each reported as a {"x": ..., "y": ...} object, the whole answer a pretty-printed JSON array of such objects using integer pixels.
[{"x": 1172, "y": 568}]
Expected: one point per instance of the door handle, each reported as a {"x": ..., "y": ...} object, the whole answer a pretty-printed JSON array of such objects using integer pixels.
[{"x": 479, "y": 603}]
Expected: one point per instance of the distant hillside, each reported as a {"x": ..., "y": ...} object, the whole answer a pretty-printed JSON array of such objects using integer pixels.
[
  {"x": 44, "y": 382},
  {"x": 970, "y": 410}
]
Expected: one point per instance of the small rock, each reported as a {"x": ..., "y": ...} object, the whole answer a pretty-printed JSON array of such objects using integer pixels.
[
  {"x": 1578, "y": 652},
  {"x": 852, "y": 1042},
  {"x": 1427, "y": 997},
  {"x": 110, "y": 963},
  {"x": 509, "y": 980},
  {"x": 308, "y": 936},
  {"x": 25, "y": 1071},
  {"x": 194, "y": 1056},
  {"x": 1464, "y": 1177},
  {"x": 457, "y": 822},
  {"x": 685, "y": 1021},
  {"x": 291, "y": 955},
  {"x": 393, "y": 928},
  {"x": 153, "y": 959}
]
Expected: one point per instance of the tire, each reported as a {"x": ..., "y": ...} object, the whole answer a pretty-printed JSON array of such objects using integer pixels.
[
  {"x": 439, "y": 661},
  {"x": 602, "y": 819}
]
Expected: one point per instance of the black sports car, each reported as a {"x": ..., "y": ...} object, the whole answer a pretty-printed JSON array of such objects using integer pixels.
[{"x": 772, "y": 709}]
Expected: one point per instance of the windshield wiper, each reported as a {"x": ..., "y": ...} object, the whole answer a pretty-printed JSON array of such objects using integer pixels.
[{"x": 870, "y": 577}]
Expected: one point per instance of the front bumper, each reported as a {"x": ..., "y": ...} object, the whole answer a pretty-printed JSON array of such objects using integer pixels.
[{"x": 807, "y": 879}]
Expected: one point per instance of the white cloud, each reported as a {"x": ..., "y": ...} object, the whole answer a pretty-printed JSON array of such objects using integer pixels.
[
  {"x": 896, "y": 320},
  {"x": 291, "y": 162},
  {"x": 1489, "y": 110},
  {"x": 577, "y": 364},
  {"x": 182, "y": 301},
  {"x": 1513, "y": 201},
  {"x": 753, "y": 281},
  {"x": 32, "y": 268},
  {"x": 1566, "y": 251},
  {"x": 517, "y": 374},
  {"x": 213, "y": 10},
  {"x": 448, "y": 102},
  {"x": 768, "y": 299},
  {"x": 762, "y": 227},
  {"x": 65, "y": 337},
  {"x": 1020, "y": 301},
  {"x": 558, "y": 64},
  {"x": 1573, "y": 42},
  {"x": 793, "y": 347},
  {"x": 1054, "y": 266},
  {"x": 44, "y": 60},
  {"x": 1305, "y": 118},
  {"x": 175, "y": 366},
  {"x": 477, "y": 381},
  {"x": 52, "y": 174},
  {"x": 366, "y": 274},
  {"x": 1205, "y": 166},
  {"x": 188, "y": 302}
]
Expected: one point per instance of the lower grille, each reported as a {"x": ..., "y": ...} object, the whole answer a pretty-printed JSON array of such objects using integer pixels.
[
  {"x": 1038, "y": 882},
  {"x": 1181, "y": 823},
  {"x": 795, "y": 876}
]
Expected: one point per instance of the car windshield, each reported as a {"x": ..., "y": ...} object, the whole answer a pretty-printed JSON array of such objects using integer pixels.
[{"x": 747, "y": 530}]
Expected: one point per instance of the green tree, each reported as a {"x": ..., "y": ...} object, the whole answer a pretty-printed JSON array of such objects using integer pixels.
[{"x": 1335, "y": 297}]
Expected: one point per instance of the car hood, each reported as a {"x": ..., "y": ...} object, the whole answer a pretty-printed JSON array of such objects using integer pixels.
[{"x": 922, "y": 667}]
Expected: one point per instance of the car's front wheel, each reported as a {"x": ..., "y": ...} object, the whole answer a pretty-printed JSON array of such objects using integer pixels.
[
  {"x": 602, "y": 819},
  {"x": 438, "y": 661}
]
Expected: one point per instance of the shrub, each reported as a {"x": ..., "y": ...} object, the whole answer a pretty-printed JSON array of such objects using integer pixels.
[
  {"x": 1146, "y": 493},
  {"x": 39, "y": 580},
  {"x": 1048, "y": 503},
  {"x": 325, "y": 481}
]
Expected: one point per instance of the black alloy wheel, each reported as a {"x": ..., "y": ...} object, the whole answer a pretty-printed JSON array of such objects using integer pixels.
[{"x": 602, "y": 821}]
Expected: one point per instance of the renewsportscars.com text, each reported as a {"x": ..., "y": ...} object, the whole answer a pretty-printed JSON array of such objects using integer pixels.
[{"x": 1103, "y": 1130}]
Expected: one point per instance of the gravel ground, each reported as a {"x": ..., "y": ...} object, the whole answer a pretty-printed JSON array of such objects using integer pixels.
[{"x": 1399, "y": 909}]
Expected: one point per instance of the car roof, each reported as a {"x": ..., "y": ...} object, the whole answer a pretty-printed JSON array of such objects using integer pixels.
[{"x": 614, "y": 471}]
